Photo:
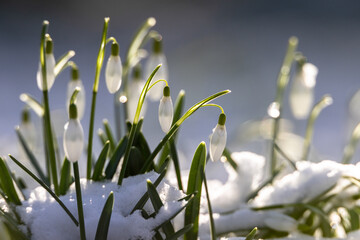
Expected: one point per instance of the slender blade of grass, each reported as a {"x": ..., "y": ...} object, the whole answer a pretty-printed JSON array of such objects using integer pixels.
[
  {"x": 104, "y": 221},
  {"x": 350, "y": 148},
  {"x": 195, "y": 181},
  {"x": 157, "y": 204},
  {"x": 38, "y": 180},
  {"x": 212, "y": 224},
  {"x": 34, "y": 162},
  {"x": 229, "y": 159},
  {"x": 181, "y": 232},
  {"x": 99, "y": 166}
]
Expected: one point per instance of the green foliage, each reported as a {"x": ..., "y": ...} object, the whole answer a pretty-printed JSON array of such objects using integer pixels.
[
  {"x": 195, "y": 180},
  {"x": 104, "y": 220}
]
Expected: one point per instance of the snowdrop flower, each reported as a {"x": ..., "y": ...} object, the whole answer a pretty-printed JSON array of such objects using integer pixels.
[
  {"x": 157, "y": 57},
  {"x": 134, "y": 90},
  {"x": 76, "y": 82},
  {"x": 218, "y": 139},
  {"x": 50, "y": 68},
  {"x": 113, "y": 71},
  {"x": 73, "y": 136},
  {"x": 302, "y": 91},
  {"x": 280, "y": 222},
  {"x": 166, "y": 110}
]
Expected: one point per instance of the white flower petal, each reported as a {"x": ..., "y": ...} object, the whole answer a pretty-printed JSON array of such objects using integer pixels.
[
  {"x": 80, "y": 98},
  {"x": 166, "y": 112},
  {"x": 73, "y": 140},
  {"x": 50, "y": 72},
  {"x": 302, "y": 91},
  {"x": 217, "y": 142},
  {"x": 113, "y": 73}
]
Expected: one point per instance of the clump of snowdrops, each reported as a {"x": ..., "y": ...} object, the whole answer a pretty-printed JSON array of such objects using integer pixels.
[{"x": 123, "y": 155}]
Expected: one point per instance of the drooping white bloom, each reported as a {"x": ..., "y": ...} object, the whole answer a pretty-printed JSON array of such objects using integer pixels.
[
  {"x": 134, "y": 90},
  {"x": 280, "y": 222},
  {"x": 76, "y": 82},
  {"x": 28, "y": 131},
  {"x": 113, "y": 71},
  {"x": 157, "y": 57},
  {"x": 50, "y": 68},
  {"x": 218, "y": 139},
  {"x": 166, "y": 111},
  {"x": 73, "y": 137},
  {"x": 302, "y": 90}
]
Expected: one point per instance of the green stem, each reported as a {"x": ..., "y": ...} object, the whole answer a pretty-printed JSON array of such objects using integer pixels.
[
  {"x": 323, "y": 103},
  {"x": 282, "y": 82},
  {"x": 50, "y": 144},
  {"x": 212, "y": 224},
  {"x": 79, "y": 201},
  {"x": 99, "y": 63},
  {"x": 135, "y": 124}
]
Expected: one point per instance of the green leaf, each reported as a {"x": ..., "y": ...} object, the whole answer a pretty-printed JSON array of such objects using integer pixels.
[
  {"x": 136, "y": 160},
  {"x": 104, "y": 221},
  {"x": 38, "y": 180},
  {"x": 33, "y": 104},
  {"x": 34, "y": 162},
  {"x": 181, "y": 232},
  {"x": 7, "y": 184},
  {"x": 99, "y": 166},
  {"x": 12, "y": 226},
  {"x": 109, "y": 135},
  {"x": 142, "y": 201},
  {"x": 252, "y": 234},
  {"x": 157, "y": 204},
  {"x": 115, "y": 158},
  {"x": 62, "y": 61},
  {"x": 195, "y": 181},
  {"x": 65, "y": 177}
]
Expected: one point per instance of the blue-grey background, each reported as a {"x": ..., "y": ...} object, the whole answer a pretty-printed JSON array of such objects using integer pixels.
[{"x": 210, "y": 46}]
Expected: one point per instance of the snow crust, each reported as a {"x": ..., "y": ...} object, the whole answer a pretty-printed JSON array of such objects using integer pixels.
[{"x": 47, "y": 220}]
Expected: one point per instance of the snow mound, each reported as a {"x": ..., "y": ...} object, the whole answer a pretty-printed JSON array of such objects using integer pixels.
[{"x": 47, "y": 220}]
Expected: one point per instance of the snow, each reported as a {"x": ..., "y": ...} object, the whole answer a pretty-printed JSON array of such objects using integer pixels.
[{"x": 47, "y": 220}]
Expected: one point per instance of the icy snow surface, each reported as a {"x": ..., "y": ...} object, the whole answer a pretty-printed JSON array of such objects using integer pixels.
[{"x": 47, "y": 220}]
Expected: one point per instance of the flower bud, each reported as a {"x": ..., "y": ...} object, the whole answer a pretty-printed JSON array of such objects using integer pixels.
[
  {"x": 50, "y": 68},
  {"x": 157, "y": 57},
  {"x": 113, "y": 71},
  {"x": 218, "y": 139},
  {"x": 76, "y": 82},
  {"x": 73, "y": 136},
  {"x": 166, "y": 110},
  {"x": 302, "y": 91}
]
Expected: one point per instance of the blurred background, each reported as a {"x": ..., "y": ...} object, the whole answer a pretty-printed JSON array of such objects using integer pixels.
[{"x": 210, "y": 46}]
